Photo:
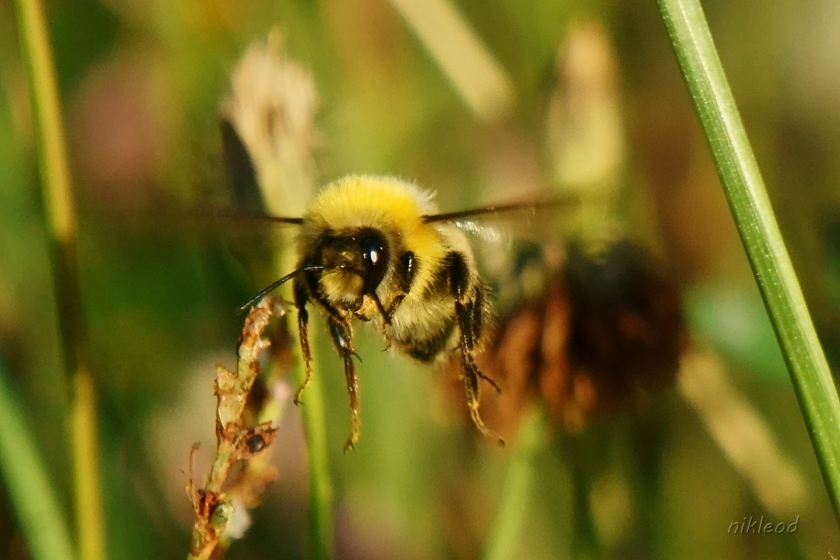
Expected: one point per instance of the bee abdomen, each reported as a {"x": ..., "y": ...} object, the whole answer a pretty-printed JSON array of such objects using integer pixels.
[
  {"x": 428, "y": 330},
  {"x": 426, "y": 349}
]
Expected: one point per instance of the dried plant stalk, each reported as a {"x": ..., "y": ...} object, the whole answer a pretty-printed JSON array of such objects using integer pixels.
[
  {"x": 235, "y": 440},
  {"x": 741, "y": 432},
  {"x": 467, "y": 63}
]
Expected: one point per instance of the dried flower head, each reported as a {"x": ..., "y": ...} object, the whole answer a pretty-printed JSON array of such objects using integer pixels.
[{"x": 605, "y": 331}]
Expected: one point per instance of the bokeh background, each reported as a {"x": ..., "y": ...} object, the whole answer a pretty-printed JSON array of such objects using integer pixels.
[{"x": 490, "y": 101}]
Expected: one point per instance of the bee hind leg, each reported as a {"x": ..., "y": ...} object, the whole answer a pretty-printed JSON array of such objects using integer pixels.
[
  {"x": 465, "y": 315},
  {"x": 474, "y": 313},
  {"x": 484, "y": 377},
  {"x": 472, "y": 375},
  {"x": 342, "y": 336}
]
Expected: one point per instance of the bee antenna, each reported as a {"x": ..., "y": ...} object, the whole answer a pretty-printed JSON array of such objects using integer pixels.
[{"x": 274, "y": 285}]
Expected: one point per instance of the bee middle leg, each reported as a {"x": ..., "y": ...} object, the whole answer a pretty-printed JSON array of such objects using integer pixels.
[
  {"x": 386, "y": 319},
  {"x": 342, "y": 336}
]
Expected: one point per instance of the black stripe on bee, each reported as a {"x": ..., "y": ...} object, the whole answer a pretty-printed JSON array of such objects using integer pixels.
[
  {"x": 407, "y": 267},
  {"x": 458, "y": 274},
  {"x": 476, "y": 311},
  {"x": 429, "y": 349},
  {"x": 452, "y": 270}
]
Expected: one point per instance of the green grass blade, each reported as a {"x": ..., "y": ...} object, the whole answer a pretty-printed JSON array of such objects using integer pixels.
[
  {"x": 43, "y": 91},
  {"x": 61, "y": 225},
  {"x": 32, "y": 496},
  {"x": 745, "y": 190}
]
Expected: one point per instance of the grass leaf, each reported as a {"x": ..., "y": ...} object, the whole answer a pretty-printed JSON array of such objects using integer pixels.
[{"x": 701, "y": 67}]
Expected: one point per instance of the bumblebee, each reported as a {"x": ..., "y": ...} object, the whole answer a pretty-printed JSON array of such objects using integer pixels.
[{"x": 377, "y": 250}]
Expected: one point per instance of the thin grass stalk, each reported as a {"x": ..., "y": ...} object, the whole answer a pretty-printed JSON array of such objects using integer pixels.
[
  {"x": 312, "y": 407},
  {"x": 320, "y": 481},
  {"x": 267, "y": 83},
  {"x": 27, "y": 482},
  {"x": 518, "y": 489},
  {"x": 313, "y": 414},
  {"x": 750, "y": 205},
  {"x": 88, "y": 496},
  {"x": 61, "y": 221}
]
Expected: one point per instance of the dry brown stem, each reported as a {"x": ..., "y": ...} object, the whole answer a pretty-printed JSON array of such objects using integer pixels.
[{"x": 236, "y": 442}]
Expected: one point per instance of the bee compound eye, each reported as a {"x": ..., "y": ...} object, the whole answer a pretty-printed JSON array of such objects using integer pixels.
[{"x": 375, "y": 256}]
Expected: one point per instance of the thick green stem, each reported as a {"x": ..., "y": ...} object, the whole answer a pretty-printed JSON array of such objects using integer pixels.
[
  {"x": 748, "y": 200},
  {"x": 61, "y": 221}
]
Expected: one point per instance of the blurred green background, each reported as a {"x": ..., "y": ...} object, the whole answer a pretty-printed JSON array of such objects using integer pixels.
[{"x": 590, "y": 99}]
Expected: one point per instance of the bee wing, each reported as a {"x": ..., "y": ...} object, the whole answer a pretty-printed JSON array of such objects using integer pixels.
[
  {"x": 489, "y": 233},
  {"x": 234, "y": 218},
  {"x": 531, "y": 209},
  {"x": 240, "y": 170},
  {"x": 514, "y": 242},
  {"x": 252, "y": 239},
  {"x": 502, "y": 223}
]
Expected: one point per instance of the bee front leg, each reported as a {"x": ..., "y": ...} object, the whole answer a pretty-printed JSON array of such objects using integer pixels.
[
  {"x": 394, "y": 305},
  {"x": 301, "y": 298},
  {"x": 342, "y": 335},
  {"x": 464, "y": 315},
  {"x": 386, "y": 319}
]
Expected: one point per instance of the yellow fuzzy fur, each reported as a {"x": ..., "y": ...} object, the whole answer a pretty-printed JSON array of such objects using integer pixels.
[
  {"x": 382, "y": 203},
  {"x": 419, "y": 315}
]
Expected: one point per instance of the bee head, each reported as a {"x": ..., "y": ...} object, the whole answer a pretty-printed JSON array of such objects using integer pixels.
[{"x": 363, "y": 253}]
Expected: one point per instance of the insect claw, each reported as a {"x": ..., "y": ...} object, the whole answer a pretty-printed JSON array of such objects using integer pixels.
[
  {"x": 387, "y": 338},
  {"x": 354, "y": 433},
  {"x": 476, "y": 418}
]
